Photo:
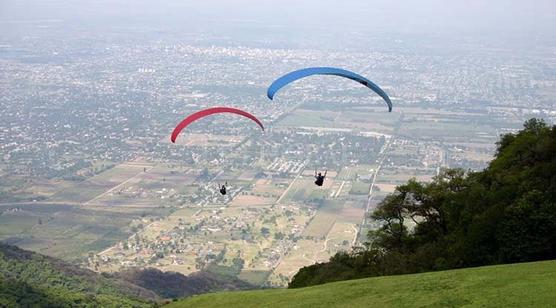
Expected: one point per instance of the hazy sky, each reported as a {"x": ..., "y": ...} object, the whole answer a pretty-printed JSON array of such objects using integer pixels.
[{"x": 535, "y": 17}]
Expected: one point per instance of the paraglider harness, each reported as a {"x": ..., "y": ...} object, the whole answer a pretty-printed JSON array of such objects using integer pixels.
[
  {"x": 320, "y": 178},
  {"x": 223, "y": 188}
]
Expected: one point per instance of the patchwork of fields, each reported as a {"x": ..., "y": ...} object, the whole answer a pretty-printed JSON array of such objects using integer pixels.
[
  {"x": 274, "y": 219},
  {"x": 146, "y": 206}
]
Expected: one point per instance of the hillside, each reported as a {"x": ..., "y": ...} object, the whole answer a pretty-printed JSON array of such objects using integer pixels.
[
  {"x": 176, "y": 285},
  {"x": 31, "y": 279},
  {"x": 511, "y": 285},
  {"x": 28, "y": 278}
]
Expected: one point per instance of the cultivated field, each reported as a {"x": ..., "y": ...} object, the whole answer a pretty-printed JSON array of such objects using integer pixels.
[
  {"x": 67, "y": 232},
  {"x": 320, "y": 225},
  {"x": 373, "y": 119},
  {"x": 87, "y": 190}
]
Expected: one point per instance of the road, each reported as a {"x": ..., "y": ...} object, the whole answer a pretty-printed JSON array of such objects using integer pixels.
[
  {"x": 381, "y": 159},
  {"x": 117, "y": 186},
  {"x": 290, "y": 186}
]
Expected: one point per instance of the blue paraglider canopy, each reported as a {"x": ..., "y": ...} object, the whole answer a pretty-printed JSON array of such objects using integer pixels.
[{"x": 302, "y": 73}]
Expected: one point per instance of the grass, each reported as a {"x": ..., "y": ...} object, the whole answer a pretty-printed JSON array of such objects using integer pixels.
[
  {"x": 300, "y": 190},
  {"x": 321, "y": 224},
  {"x": 359, "y": 188},
  {"x": 444, "y": 129},
  {"x": 309, "y": 118},
  {"x": 513, "y": 285}
]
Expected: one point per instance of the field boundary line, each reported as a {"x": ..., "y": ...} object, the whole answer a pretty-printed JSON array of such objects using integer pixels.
[{"x": 117, "y": 186}]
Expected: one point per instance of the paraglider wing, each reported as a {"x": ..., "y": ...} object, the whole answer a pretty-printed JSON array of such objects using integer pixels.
[
  {"x": 302, "y": 73},
  {"x": 206, "y": 112}
]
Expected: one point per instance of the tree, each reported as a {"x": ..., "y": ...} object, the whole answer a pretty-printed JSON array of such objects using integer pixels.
[
  {"x": 265, "y": 231},
  {"x": 278, "y": 235}
]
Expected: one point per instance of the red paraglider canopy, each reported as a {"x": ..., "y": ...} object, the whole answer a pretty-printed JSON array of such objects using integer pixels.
[{"x": 206, "y": 112}]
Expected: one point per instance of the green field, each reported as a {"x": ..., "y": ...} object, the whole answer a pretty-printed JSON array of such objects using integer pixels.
[
  {"x": 513, "y": 285},
  {"x": 65, "y": 231},
  {"x": 309, "y": 118},
  {"x": 93, "y": 187},
  {"x": 302, "y": 189},
  {"x": 320, "y": 224},
  {"x": 325, "y": 218},
  {"x": 367, "y": 119},
  {"x": 256, "y": 278},
  {"x": 359, "y": 188},
  {"x": 434, "y": 128}
]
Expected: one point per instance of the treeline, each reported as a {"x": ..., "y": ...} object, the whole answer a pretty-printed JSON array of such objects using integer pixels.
[{"x": 503, "y": 214}]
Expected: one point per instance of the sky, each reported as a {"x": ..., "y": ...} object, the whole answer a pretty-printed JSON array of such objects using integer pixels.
[{"x": 442, "y": 17}]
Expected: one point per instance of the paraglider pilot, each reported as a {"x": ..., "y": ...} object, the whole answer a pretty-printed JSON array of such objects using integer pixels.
[
  {"x": 223, "y": 189},
  {"x": 320, "y": 178}
]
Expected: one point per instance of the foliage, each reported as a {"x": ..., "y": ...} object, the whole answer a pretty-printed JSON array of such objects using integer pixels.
[
  {"x": 174, "y": 285},
  {"x": 503, "y": 214},
  {"x": 28, "y": 279}
]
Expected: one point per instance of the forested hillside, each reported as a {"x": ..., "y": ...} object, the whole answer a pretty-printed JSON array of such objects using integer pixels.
[
  {"x": 175, "y": 285},
  {"x": 29, "y": 279},
  {"x": 503, "y": 214}
]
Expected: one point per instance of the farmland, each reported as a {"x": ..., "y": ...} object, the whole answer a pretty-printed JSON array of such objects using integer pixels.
[
  {"x": 67, "y": 231},
  {"x": 161, "y": 215},
  {"x": 274, "y": 220}
]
